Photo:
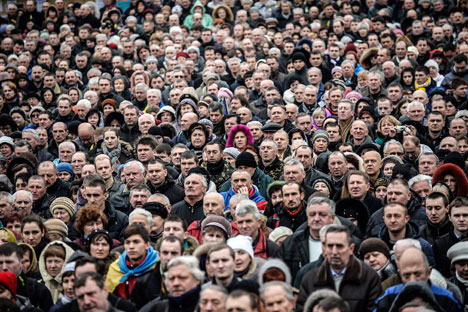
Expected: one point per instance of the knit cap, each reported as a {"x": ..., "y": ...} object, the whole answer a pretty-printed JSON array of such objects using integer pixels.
[
  {"x": 218, "y": 221},
  {"x": 374, "y": 244},
  {"x": 11, "y": 236},
  {"x": 231, "y": 151},
  {"x": 279, "y": 232},
  {"x": 246, "y": 159},
  {"x": 56, "y": 226},
  {"x": 64, "y": 166},
  {"x": 224, "y": 92},
  {"x": 320, "y": 134},
  {"x": 10, "y": 281},
  {"x": 242, "y": 242},
  {"x": 64, "y": 203}
]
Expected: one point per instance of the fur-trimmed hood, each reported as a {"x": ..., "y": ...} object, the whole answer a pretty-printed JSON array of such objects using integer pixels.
[
  {"x": 234, "y": 130},
  {"x": 365, "y": 57},
  {"x": 457, "y": 172}
]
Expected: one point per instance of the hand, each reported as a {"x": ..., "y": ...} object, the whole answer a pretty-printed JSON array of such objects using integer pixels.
[
  {"x": 410, "y": 130},
  {"x": 243, "y": 190}
]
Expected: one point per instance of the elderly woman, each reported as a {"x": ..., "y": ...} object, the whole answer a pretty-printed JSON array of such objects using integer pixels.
[
  {"x": 239, "y": 137},
  {"x": 89, "y": 218},
  {"x": 387, "y": 129},
  {"x": 198, "y": 138},
  {"x": 376, "y": 254}
]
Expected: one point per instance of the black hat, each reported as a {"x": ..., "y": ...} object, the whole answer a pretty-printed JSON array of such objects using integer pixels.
[
  {"x": 404, "y": 171},
  {"x": 366, "y": 99},
  {"x": 156, "y": 208},
  {"x": 202, "y": 171},
  {"x": 299, "y": 56},
  {"x": 367, "y": 146},
  {"x": 114, "y": 116},
  {"x": 30, "y": 95},
  {"x": 246, "y": 159},
  {"x": 455, "y": 158},
  {"x": 367, "y": 109},
  {"x": 155, "y": 130},
  {"x": 73, "y": 126},
  {"x": 94, "y": 233},
  {"x": 351, "y": 207},
  {"x": 271, "y": 127},
  {"x": 374, "y": 244}
]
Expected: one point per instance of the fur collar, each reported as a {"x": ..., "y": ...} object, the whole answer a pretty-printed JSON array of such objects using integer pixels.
[{"x": 353, "y": 273}]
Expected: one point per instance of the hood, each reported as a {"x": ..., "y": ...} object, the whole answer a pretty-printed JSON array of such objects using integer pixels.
[
  {"x": 233, "y": 132},
  {"x": 413, "y": 290},
  {"x": 33, "y": 268},
  {"x": 229, "y": 15},
  {"x": 42, "y": 268},
  {"x": 197, "y": 4},
  {"x": 274, "y": 263}
]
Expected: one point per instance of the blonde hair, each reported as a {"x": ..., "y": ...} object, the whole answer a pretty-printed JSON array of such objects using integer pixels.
[{"x": 387, "y": 118}]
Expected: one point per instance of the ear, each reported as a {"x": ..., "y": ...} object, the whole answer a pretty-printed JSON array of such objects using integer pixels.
[
  {"x": 302, "y": 195},
  {"x": 352, "y": 246},
  {"x": 407, "y": 218}
]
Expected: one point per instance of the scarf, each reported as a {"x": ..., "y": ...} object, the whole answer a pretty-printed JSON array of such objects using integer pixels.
[
  {"x": 422, "y": 86},
  {"x": 114, "y": 156},
  {"x": 461, "y": 279},
  {"x": 150, "y": 260}
]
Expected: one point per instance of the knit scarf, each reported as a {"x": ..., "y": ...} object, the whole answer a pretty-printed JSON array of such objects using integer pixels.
[
  {"x": 150, "y": 260},
  {"x": 422, "y": 86},
  {"x": 461, "y": 279},
  {"x": 114, "y": 156}
]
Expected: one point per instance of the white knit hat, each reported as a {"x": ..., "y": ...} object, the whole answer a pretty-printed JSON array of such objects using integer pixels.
[{"x": 242, "y": 242}]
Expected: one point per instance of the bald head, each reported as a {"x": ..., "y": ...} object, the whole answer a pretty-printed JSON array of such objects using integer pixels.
[
  {"x": 213, "y": 204},
  {"x": 413, "y": 266}
]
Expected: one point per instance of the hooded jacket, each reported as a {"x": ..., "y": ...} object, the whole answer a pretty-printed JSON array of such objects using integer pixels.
[
  {"x": 259, "y": 179},
  {"x": 54, "y": 284},
  {"x": 274, "y": 263},
  {"x": 207, "y": 20},
  {"x": 33, "y": 270},
  {"x": 253, "y": 195}
]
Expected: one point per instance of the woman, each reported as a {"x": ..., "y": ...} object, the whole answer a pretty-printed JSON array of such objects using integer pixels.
[
  {"x": 118, "y": 151},
  {"x": 246, "y": 266},
  {"x": 51, "y": 262},
  {"x": 407, "y": 79},
  {"x": 386, "y": 129},
  {"x": 48, "y": 98},
  {"x": 320, "y": 141},
  {"x": 122, "y": 87},
  {"x": 229, "y": 155},
  {"x": 198, "y": 138},
  {"x": 167, "y": 114},
  {"x": 7, "y": 146},
  {"x": 33, "y": 232},
  {"x": 62, "y": 208},
  {"x": 375, "y": 253},
  {"x": 99, "y": 245},
  {"x": 75, "y": 95},
  {"x": 324, "y": 186},
  {"x": 108, "y": 106},
  {"x": 11, "y": 94},
  {"x": 240, "y": 137},
  {"x": 19, "y": 117},
  {"x": 223, "y": 12},
  {"x": 454, "y": 177},
  {"x": 13, "y": 222},
  {"x": 67, "y": 283},
  {"x": 114, "y": 120},
  {"x": 29, "y": 262},
  {"x": 94, "y": 118}
]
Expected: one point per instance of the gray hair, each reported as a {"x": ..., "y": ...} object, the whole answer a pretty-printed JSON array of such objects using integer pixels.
[
  {"x": 204, "y": 181},
  {"x": 144, "y": 212},
  {"x": 133, "y": 162},
  {"x": 146, "y": 115},
  {"x": 238, "y": 198},
  {"x": 8, "y": 196},
  {"x": 410, "y": 242},
  {"x": 420, "y": 178},
  {"x": 21, "y": 192},
  {"x": 34, "y": 133},
  {"x": 158, "y": 92},
  {"x": 191, "y": 263},
  {"x": 93, "y": 81},
  {"x": 286, "y": 287},
  {"x": 160, "y": 198},
  {"x": 320, "y": 200},
  {"x": 254, "y": 122},
  {"x": 415, "y": 103},
  {"x": 392, "y": 141},
  {"x": 84, "y": 102},
  {"x": 65, "y": 144},
  {"x": 247, "y": 206},
  {"x": 295, "y": 162},
  {"x": 270, "y": 141},
  {"x": 141, "y": 86}
]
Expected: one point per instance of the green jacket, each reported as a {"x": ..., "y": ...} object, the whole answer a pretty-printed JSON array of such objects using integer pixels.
[
  {"x": 260, "y": 179},
  {"x": 207, "y": 20}
]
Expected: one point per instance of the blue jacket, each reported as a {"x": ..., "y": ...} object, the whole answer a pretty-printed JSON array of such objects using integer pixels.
[{"x": 255, "y": 196}]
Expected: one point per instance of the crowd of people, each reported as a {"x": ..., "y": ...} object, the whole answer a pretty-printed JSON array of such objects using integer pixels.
[{"x": 234, "y": 156}]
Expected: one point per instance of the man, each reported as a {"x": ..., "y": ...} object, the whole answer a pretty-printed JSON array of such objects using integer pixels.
[
  {"x": 212, "y": 298},
  {"x": 42, "y": 200},
  {"x": 458, "y": 212},
  {"x": 85, "y": 139},
  {"x": 139, "y": 195},
  {"x": 345, "y": 118},
  {"x": 421, "y": 185},
  {"x": 185, "y": 122},
  {"x": 176, "y": 226},
  {"x": 129, "y": 131},
  {"x": 428, "y": 163},
  {"x": 160, "y": 182},
  {"x": 359, "y": 134},
  {"x": 270, "y": 161},
  {"x": 458, "y": 256},
  {"x": 294, "y": 172},
  {"x": 145, "y": 146},
  {"x": 55, "y": 186},
  {"x": 358, "y": 183},
  {"x": 191, "y": 208},
  {"x": 94, "y": 192},
  {"x": 438, "y": 223},
  {"x": 221, "y": 261},
  {"x": 11, "y": 256},
  {"x": 188, "y": 161},
  {"x": 341, "y": 271},
  {"x": 241, "y": 183},
  {"x": 337, "y": 168},
  {"x": 114, "y": 187},
  {"x": 65, "y": 113},
  {"x": 59, "y": 135},
  {"x": 139, "y": 257},
  {"x": 23, "y": 202},
  {"x": 292, "y": 213},
  {"x": 398, "y": 191},
  {"x": 372, "y": 164},
  {"x": 183, "y": 281},
  {"x": 145, "y": 122},
  {"x": 6, "y": 201},
  {"x": 91, "y": 293},
  {"x": 248, "y": 222},
  {"x": 219, "y": 169},
  {"x": 241, "y": 300},
  {"x": 134, "y": 174},
  {"x": 413, "y": 267},
  {"x": 278, "y": 296}
]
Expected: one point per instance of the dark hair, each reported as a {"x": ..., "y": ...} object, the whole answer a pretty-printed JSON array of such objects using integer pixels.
[
  {"x": 99, "y": 264},
  {"x": 8, "y": 249},
  {"x": 136, "y": 229},
  {"x": 436, "y": 195},
  {"x": 173, "y": 239},
  {"x": 174, "y": 218},
  {"x": 33, "y": 218},
  {"x": 81, "y": 280}
]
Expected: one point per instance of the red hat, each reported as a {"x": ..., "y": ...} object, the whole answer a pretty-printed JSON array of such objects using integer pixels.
[
  {"x": 9, "y": 280},
  {"x": 182, "y": 53}
]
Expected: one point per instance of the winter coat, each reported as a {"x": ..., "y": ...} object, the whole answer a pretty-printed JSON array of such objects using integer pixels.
[
  {"x": 117, "y": 221},
  {"x": 174, "y": 192},
  {"x": 259, "y": 179},
  {"x": 37, "y": 292},
  {"x": 115, "y": 195},
  {"x": 129, "y": 135},
  {"x": 441, "y": 246},
  {"x": 219, "y": 172},
  {"x": 463, "y": 289},
  {"x": 431, "y": 232},
  {"x": 59, "y": 189},
  {"x": 188, "y": 212},
  {"x": 284, "y": 218},
  {"x": 54, "y": 284},
  {"x": 452, "y": 75},
  {"x": 187, "y": 302},
  {"x": 360, "y": 286},
  {"x": 253, "y": 195},
  {"x": 264, "y": 247},
  {"x": 42, "y": 205},
  {"x": 148, "y": 287},
  {"x": 207, "y": 20},
  {"x": 116, "y": 302}
]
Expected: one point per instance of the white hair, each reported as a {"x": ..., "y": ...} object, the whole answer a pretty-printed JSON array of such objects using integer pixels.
[
  {"x": 146, "y": 115},
  {"x": 141, "y": 211},
  {"x": 65, "y": 144},
  {"x": 420, "y": 178},
  {"x": 22, "y": 192},
  {"x": 84, "y": 102}
]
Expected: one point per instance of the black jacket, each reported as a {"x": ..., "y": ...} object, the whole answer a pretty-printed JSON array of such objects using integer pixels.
[
  {"x": 42, "y": 206},
  {"x": 187, "y": 212},
  {"x": 174, "y": 192},
  {"x": 431, "y": 232},
  {"x": 147, "y": 287},
  {"x": 36, "y": 292},
  {"x": 129, "y": 135},
  {"x": 187, "y": 302},
  {"x": 59, "y": 189},
  {"x": 441, "y": 246},
  {"x": 117, "y": 221},
  {"x": 117, "y": 303},
  {"x": 283, "y": 218}
]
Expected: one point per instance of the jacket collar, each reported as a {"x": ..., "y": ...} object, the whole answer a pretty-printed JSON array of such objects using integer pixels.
[{"x": 353, "y": 273}]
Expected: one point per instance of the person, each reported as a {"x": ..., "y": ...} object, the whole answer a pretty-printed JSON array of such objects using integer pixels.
[
  {"x": 183, "y": 285},
  {"x": 160, "y": 182},
  {"x": 241, "y": 183},
  {"x": 341, "y": 271},
  {"x": 220, "y": 259},
  {"x": 413, "y": 266},
  {"x": 292, "y": 213},
  {"x": 191, "y": 208},
  {"x": 246, "y": 266},
  {"x": 438, "y": 223},
  {"x": 278, "y": 296},
  {"x": 212, "y": 298},
  {"x": 458, "y": 257},
  {"x": 375, "y": 253},
  {"x": 91, "y": 293}
]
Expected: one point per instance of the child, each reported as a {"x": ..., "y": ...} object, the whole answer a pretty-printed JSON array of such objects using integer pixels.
[{"x": 318, "y": 116}]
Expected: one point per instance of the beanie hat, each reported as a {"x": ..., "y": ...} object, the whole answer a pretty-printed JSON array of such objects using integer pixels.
[
  {"x": 10, "y": 281},
  {"x": 64, "y": 203},
  {"x": 246, "y": 159},
  {"x": 432, "y": 63},
  {"x": 182, "y": 54},
  {"x": 374, "y": 244},
  {"x": 109, "y": 101},
  {"x": 404, "y": 171},
  {"x": 69, "y": 267},
  {"x": 206, "y": 122},
  {"x": 367, "y": 109},
  {"x": 336, "y": 69},
  {"x": 219, "y": 222},
  {"x": 353, "y": 94},
  {"x": 242, "y": 242},
  {"x": 414, "y": 50},
  {"x": 279, "y": 232},
  {"x": 299, "y": 56},
  {"x": 225, "y": 92},
  {"x": 231, "y": 151},
  {"x": 11, "y": 236},
  {"x": 381, "y": 182},
  {"x": 320, "y": 134},
  {"x": 64, "y": 166},
  {"x": 56, "y": 226}
]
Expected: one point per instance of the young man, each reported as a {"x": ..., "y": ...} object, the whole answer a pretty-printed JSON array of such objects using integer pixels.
[
  {"x": 134, "y": 265},
  {"x": 438, "y": 223}
]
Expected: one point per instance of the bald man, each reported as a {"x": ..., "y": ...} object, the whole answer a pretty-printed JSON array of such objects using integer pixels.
[
  {"x": 185, "y": 122},
  {"x": 213, "y": 205},
  {"x": 85, "y": 136},
  {"x": 414, "y": 267}
]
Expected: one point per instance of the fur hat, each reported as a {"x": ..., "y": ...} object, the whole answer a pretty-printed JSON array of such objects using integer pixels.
[
  {"x": 454, "y": 170},
  {"x": 246, "y": 159},
  {"x": 373, "y": 244}
]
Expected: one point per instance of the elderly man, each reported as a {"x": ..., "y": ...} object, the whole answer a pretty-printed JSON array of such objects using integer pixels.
[
  {"x": 241, "y": 183},
  {"x": 341, "y": 271},
  {"x": 278, "y": 296},
  {"x": 145, "y": 122},
  {"x": 191, "y": 208},
  {"x": 213, "y": 204},
  {"x": 414, "y": 267},
  {"x": 23, "y": 202},
  {"x": 183, "y": 280},
  {"x": 42, "y": 200},
  {"x": 248, "y": 222},
  {"x": 85, "y": 138},
  {"x": 55, "y": 186},
  {"x": 458, "y": 255}
]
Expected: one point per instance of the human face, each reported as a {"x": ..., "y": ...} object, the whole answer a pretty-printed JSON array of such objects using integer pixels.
[
  {"x": 395, "y": 218},
  {"x": 157, "y": 174},
  {"x": 459, "y": 218},
  {"x": 5, "y": 207},
  {"x": 130, "y": 117},
  {"x": 451, "y": 182},
  {"x": 211, "y": 301},
  {"x": 95, "y": 195},
  {"x": 293, "y": 173},
  {"x": 111, "y": 140},
  {"x": 23, "y": 204},
  {"x": 134, "y": 175},
  {"x": 338, "y": 250},
  {"x": 372, "y": 163},
  {"x": 427, "y": 164},
  {"x": 180, "y": 280},
  {"x": 48, "y": 173},
  {"x": 10, "y": 263},
  {"x": 186, "y": 164},
  {"x": 136, "y": 248},
  {"x": 318, "y": 215},
  {"x": 357, "y": 186},
  {"x": 212, "y": 204},
  {"x": 248, "y": 225},
  {"x": 65, "y": 154},
  {"x": 222, "y": 264},
  {"x": 67, "y": 285},
  {"x": 375, "y": 259},
  {"x": 241, "y": 180},
  {"x": 93, "y": 225},
  {"x": 37, "y": 188},
  {"x": 168, "y": 251},
  {"x": 91, "y": 298},
  {"x": 292, "y": 196},
  {"x": 194, "y": 187},
  {"x": 397, "y": 193},
  {"x": 337, "y": 166},
  {"x": 436, "y": 210},
  {"x": 61, "y": 214},
  {"x": 359, "y": 130},
  {"x": 78, "y": 161},
  {"x": 423, "y": 189},
  {"x": 276, "y": 300},
  {"x": 59, "y": 132},
  {"x": 32, "y": 234},
  {"x": 411, "y": 150},
  {"x": 242, "y": 260},
  {"x": 54, "y": 265},
  {"x": 174, "y": 228}
]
